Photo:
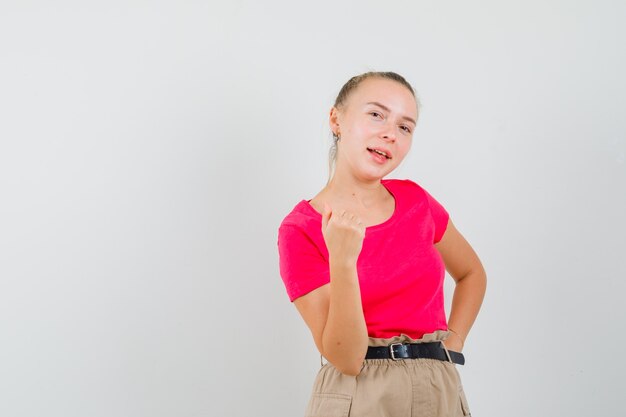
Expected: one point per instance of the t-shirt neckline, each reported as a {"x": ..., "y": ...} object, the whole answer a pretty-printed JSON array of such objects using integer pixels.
[{"x": 385, "y": 183}]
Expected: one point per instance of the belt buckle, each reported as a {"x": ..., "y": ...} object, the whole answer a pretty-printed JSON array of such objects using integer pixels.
[{"x": 392, "y": 353}]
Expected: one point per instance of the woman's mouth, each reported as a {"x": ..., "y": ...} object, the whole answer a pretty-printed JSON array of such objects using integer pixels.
[{"x": 379, "y": 156}]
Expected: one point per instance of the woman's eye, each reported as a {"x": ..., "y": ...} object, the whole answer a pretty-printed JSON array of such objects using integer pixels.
[
  {"x": 406, "y": 129},
  {"x": 375, "y": 113}
]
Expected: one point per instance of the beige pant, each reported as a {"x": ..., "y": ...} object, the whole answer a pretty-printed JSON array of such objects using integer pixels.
[{"x": 394, "y": 388}]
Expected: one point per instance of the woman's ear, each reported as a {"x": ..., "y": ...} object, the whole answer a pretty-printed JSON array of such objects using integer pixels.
[{"x": 333, "y": 121}]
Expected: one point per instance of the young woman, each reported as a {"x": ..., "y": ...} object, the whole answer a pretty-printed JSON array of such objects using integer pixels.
[{"x": 364, "y": 261}]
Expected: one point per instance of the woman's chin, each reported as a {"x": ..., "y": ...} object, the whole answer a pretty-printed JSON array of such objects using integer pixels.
[{"x": 376, "y": 174}]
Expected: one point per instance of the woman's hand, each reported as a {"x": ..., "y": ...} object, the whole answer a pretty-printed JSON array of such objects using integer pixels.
[
  {"x": 454, "y": 342},
  {"x": 344, "y": 233}
]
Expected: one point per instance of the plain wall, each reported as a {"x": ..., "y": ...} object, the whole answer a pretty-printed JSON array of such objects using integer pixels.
[{"x": 149, "y": 151}]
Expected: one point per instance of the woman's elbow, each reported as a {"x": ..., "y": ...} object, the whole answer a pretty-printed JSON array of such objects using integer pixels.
[
  {"x": 350, "y": 369},
  {"x": 347, "y": 362}
]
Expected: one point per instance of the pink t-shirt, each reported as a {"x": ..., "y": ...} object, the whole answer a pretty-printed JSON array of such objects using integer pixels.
[{"x": 400, "y": 271}]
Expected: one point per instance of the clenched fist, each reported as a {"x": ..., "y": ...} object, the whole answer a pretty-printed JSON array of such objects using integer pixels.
[{"x": 344, "y": 233}]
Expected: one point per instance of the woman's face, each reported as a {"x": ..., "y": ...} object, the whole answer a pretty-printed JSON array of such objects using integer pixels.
[{"x": 379, "y": 114}]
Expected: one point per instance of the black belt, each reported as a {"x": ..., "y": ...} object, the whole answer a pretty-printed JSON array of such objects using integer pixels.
[{"x": 396, "y": 351}]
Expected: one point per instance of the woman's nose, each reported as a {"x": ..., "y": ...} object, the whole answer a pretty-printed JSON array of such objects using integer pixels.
[{"x": 389, "y": 133}]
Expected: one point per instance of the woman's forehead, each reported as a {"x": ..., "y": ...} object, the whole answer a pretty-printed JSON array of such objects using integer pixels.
[{"x": 387, "y": 92}]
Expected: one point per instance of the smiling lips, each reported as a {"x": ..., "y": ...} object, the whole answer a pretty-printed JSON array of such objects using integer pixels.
[{"x": 380, "y": 151}]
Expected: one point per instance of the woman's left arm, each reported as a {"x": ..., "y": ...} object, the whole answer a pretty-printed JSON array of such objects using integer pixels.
[{"x": 465, "y": 268}]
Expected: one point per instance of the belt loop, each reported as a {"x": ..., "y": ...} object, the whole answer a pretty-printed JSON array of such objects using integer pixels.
[{"x": 446, "y": 349}]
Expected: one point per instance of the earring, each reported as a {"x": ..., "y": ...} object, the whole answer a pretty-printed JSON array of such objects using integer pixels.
[{"x": 336, "y": 137}]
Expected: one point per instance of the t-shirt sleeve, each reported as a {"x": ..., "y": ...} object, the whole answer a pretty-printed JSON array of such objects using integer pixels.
[
  {"x": 303, "y": 266},
  {"x": 440, "y": 217}
]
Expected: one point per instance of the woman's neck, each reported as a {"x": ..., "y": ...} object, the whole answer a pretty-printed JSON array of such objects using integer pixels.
[{"x": 355, "y": 192}]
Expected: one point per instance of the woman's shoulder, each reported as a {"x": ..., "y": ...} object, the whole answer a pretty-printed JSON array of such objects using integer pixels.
[
  {"x": 403, "y": 185},
  {"x": 410, "y": 192},
  {"x": 302, "y": 215},
  {"x": 301, "y": 230}
]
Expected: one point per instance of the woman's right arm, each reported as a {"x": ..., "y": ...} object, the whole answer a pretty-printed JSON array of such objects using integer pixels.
[{"x": 334, "y": 312}]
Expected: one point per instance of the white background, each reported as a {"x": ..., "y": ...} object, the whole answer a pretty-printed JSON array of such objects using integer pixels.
[{"x": 149, "y": 151}]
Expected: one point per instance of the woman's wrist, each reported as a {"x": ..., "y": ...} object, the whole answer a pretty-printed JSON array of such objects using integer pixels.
[
  {"x": 457, "y": 335},
  {"x": 341, "y": 263}
]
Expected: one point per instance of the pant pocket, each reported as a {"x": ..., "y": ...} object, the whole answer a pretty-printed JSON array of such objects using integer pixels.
[
  {"x": 464, "y": 404},
  {"x": 329, "y": 405}
]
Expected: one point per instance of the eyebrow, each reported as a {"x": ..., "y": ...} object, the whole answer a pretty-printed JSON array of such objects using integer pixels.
[{"x": 382, "y": 106}]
